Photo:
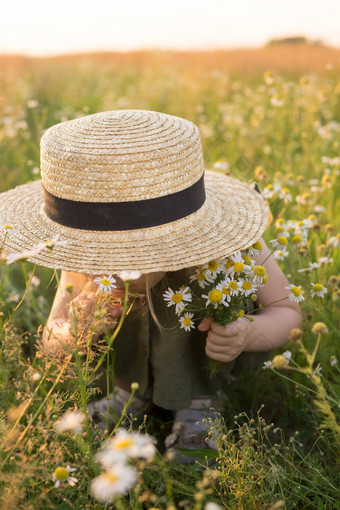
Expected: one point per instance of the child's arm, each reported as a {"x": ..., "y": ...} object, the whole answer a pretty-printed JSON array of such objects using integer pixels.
[
  {"x": 57, "y": 334},
  {"x": 271, "y": 326}
]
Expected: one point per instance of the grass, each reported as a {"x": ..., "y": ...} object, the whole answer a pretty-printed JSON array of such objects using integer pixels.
[{"x": 269, "y": 115}]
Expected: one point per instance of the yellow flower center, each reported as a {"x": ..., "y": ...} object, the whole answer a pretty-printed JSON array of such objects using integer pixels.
[
  {"x": 233, "y": 285},
  {"x": 123, "y": 443},
  {"x": 317, "y": 287},
  {"x": 8, "y": 227},
  {"x": 279, "y": 229},
  {"x": 200, "y": 277},
  {"x": 257, "y": 246},
  {"x": 247, "y": 260},
  {"x": 282, "y": 240},
  {"x": 61, "y": 474},
  {"x": 285, "y": 190},
  {"x": 110, "y": 477},
  {"x": 177, "y": 298},
  {"x": 215, "y": 296},
  {"x": 246, "y": 285},
  {"x": 238, "y": 267},
  {"x": 265, "y": 278},
  {"x": 226, "y": 291},
  {"x": 240, "y": 313},
  {"x": 279, "y": 361},
  {"x": 259, "y": 270},
  {"x": 187, "y": 321},
  {"x": 229, "y": 264},
  {"x": 300, "y": 223},
  {"x": 213, "y": 265},
  {"x": 296, "y": 291},
  {"x": 105, "y": 281},
  {"x": 296, "y": 239}
]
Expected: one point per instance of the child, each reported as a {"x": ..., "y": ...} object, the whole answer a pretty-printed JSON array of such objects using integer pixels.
[{"x": 126, "y": 190}]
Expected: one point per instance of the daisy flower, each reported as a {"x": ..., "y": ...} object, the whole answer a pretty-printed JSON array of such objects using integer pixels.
[
  {"x": 106, "y": 283},
  {"x": 312, "y": 265},
  {"x": 114, "y": 482},
  {"x": 215, "y": 297},
  {"x": 278, "y": 362},
  {"x": 230, "y": 285},
  {"x": 280, "y": 254},
  {"x": 70, "y": 421},
  {"x": 318, "y": 290},
  {"x": 186, "y": 322},
  {"x": 62, "y": 474},
  {"x": 201, "y": 277},
  {"x": 51, "y": 243},
  {"x": 333, "y": 361},
  {"x": 178, "y": 298},
  {"x": 247, "y": 287},
  {"x": 238, "y": 266},
  {"x": 280, "y": 242},
  {"x": 125, "y": 445},
  {"x": 8, "y": 228},
  {"x": 129, "y": 275},
  {"x": 295, "y": 293},
  {"x": 16, "y": 256},
  {"x": 225, "y": 289},
  {"x": 255, "y": 249},
  {"x": 260, "y": 275},
  {"x": 212, "y": 268}
]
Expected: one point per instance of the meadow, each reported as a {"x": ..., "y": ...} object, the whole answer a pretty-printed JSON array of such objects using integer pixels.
[{"x": 269, "y": 116}]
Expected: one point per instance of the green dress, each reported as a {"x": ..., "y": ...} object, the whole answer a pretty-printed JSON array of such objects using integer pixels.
[{"x": 172, "y": 365}]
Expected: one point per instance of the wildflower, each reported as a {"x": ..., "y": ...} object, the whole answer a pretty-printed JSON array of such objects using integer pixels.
[
  {"x": 320, "y": 327},
  {"x": 260, "y": 274},
  {"x": 70, "y": 421},
  {"x": 51, "y": 243},
  {"x": 201, "y": 277},
  {"x": 281, "y": 360},
  {"x": 297, "y": 241},
  {"x": 106, "y": 283},
  {"x": 221, "y": 165},
  {"x": 333, "y": 361},
  {"x": 280, "y": 242},
  {"x": 178, "y": 298},
  {"x": 318, "y": 290},
  {"x": 286, "y": 195},
  {"x": 32, "y": 103},
  {"x": 114, "y": 482},
  {"x": 186, "y": 322},
  {"x": 317, "y": 369},
  {"x": 247, "y": 287},
  {"x": 24, "y": 255},
  {"x": 280, "y": 254},
  {"x": 295, "y": 293},
  {"x": 312, "y": 265},
  {"x": 295, "y": 334},
  {"x": 212, "y": 268},
  {"x": 62, "y": 474},
  {"x": 129, "y": 275},
  {"x": 125, "y": 445},
  {"x": 134, "y": 386},
  {"x": 276, "y": 101},
  {"x": 212, "y": 506},
  {"x": 215, "y": 297},
  {"x": 239, "y": 265},
  {"x": 9, "y": 228},
  {"x": 230, "y": 287},
  {"x": 334, "y": 241},
  {"x": 36, "y": 377},
  {"x": 319, "y": 208}
]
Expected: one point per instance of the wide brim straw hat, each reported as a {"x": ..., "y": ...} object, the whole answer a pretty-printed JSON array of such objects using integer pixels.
[{"x": 126, "y": 190}]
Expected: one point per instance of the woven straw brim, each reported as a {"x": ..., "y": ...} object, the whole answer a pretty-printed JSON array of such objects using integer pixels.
[{"x": 233, "y": 217}]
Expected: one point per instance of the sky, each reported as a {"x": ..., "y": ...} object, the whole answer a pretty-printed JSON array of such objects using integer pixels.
[{"x": 48, "y": 27}]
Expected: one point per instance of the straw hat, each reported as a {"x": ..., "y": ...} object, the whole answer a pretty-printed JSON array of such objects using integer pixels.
[{"x": 126, "y": 189}]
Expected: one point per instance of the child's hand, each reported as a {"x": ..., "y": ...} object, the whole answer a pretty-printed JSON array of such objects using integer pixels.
[
  {"x": 225, "y": 343},
  {"x": 85, "y": 306}
]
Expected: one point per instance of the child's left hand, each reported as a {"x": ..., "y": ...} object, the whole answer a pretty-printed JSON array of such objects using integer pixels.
[{"x": 225, "y": 343}]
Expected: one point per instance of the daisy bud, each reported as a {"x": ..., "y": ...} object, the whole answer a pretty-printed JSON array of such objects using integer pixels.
[
  {"x": 295, "y": 335},
  {"x": 320, "y": 327},
  {"x": 134, "y": 386},
  {"x": 280, "y": 361},
  {"x": 253, "y": 297}
]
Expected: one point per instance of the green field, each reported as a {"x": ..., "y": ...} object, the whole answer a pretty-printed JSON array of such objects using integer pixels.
[{"x": 270, "y": 116}]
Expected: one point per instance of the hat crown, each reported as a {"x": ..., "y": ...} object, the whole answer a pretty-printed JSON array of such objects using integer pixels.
[{"x": 120, "y": 156}]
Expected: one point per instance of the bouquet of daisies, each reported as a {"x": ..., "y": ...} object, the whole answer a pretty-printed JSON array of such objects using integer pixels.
[{"x": 228, "y": 288}]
